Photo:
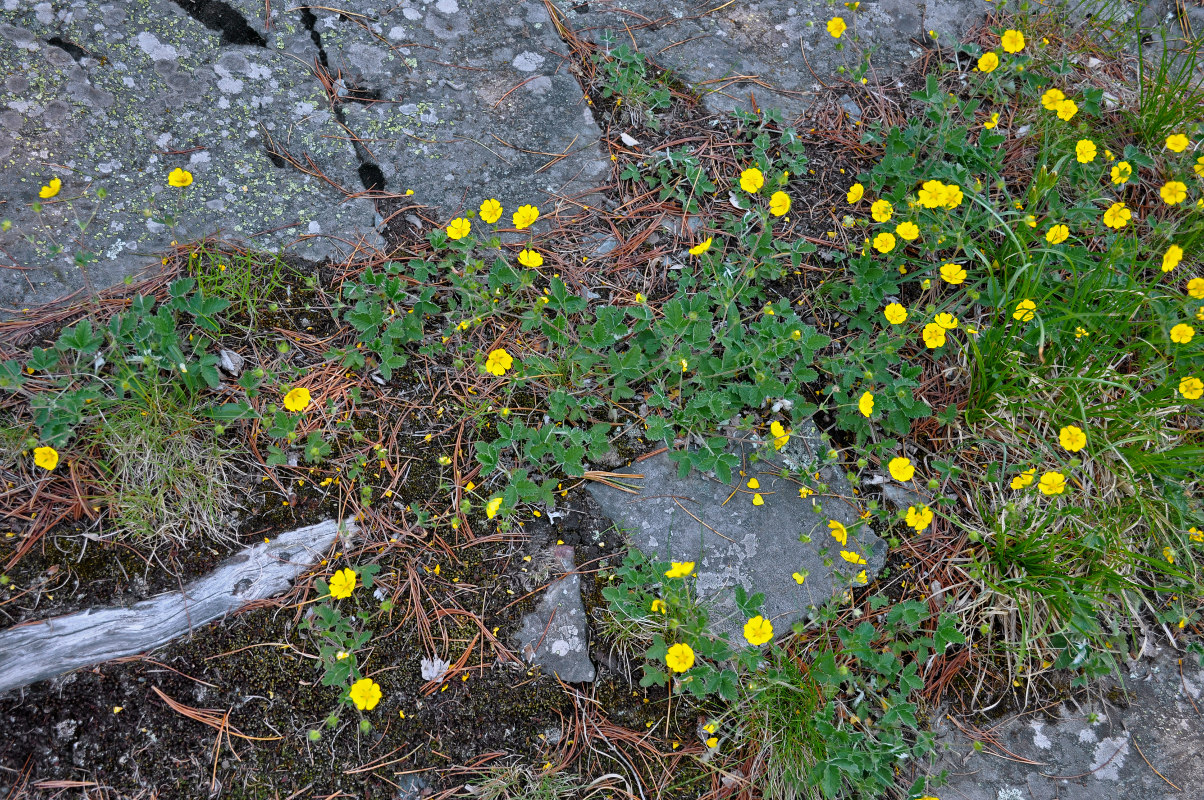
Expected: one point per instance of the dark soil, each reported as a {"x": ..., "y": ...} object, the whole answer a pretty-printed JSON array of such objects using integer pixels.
[{"x": 109, "y": 726}]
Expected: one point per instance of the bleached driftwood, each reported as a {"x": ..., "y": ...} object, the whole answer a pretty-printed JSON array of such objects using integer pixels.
[{"x": 39, "y": 650}]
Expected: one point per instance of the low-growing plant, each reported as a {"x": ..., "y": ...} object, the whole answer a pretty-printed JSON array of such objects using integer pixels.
[
  {"x": 625, "y": 78},
  {"x": 340, "y": 634},
  {"x": 88, "y": 370}
]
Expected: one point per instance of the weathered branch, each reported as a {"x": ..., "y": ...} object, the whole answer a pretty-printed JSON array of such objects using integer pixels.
[{"x": 39, "y": 650}]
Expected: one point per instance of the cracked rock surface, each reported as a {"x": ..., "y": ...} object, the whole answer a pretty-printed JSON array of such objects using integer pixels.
[{"x": 286, "y": 122}]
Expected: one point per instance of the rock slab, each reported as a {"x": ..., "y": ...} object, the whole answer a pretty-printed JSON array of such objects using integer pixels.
[
  {"x": 1096, "y": 750},
  {"x": 291, "y": 119},
  {"x": 760, "y": 547},
  {"x": 556, "y": 635}
]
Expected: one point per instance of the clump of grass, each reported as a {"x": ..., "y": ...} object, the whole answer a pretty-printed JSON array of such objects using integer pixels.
[
  {"x": 164, "y": 476},
  {"x": 779, "y": 718},
  {"x": 247, "y": 280},
  {"x": 625, "y": 77},
  {"x": 517, "y": 782}
]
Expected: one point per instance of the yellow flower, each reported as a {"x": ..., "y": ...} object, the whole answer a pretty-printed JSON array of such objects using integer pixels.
[
  {"x": 1025, "y": 310},
  {"x": 659, "y": 605},
  {"x": 932, "y": 194},
  {"x": 1051, "y": 98},
  {"x": 851, "y": 557},
  {"x": 491, "y": 211},
  {"x": 1067, "y": 109},
  {"x": 901, "y": 469},
  {"x": 46, "y": 457},
  {"x": 805, "y": 492},
  {"x": 1012, "y": 41},
  {"x": 1195, "y": 288},
  {"x": 680, "y": 657},
  {"x": 701, "y": 247},
  {"x": 1182, "y": 334},
  {"x": 779, "y": 203},
  {"x": 365, "y": 693},
  {"x": 1085, "y": 151},
  {"x": 679, "y": 569},
  {"x": 297, "y": 399},
  {"x": 895, "y": 314},
  {"x": 881, "y": 210},
  {"x": 1024, "y": 479},
  {"x": 946, "y": 321},
  {"x": 1072, "y": 438},
  {"x": 866, "y": 404},
  {"x": 498, "y": 362},
  {"x": 856, "y": 192},
  {"x": 884, "y": 242},
  {"x": 839, "y": 532},
  {"x": 992, "y": 122},
  {"x": 1177, "y": 142},
  {"x": 780, "y": 435},
  {"x": 1117, "y": 216},
  {"x": 1172, "y": 257},
  {"x": 919, "y": 518},
  {"x": 908, "y": 231},
  {"x": 1121, "y": 172},
  {"x": 530, "y": 258},
  {"x": 799, "y": 577},
  {"x": 934, "y": 336},
  {"x": 458, "y": 228},
  {"x": 50, "y": 189},
  {"x": 492, "y": 507},
  {"x": 751, "y": 180},
  {"x": 989, "y": 62},
  {"x": 713, "y": 742},
  {"x": 862, "y": 579},
  {"x": 1191, "y": 388},
  {"x": 1052, "y": 483},
  {"x": 1079, "y": 331},
  {"x": 1173, "y": 192},
  {"x": 685, "y": 365},
  {"x": 1169, "y": 555},
  {"x": 758, "y": 500},
  {"x": 758, "y": 631},
  {"x": 525, "y": 216},
  {"x": 342, "y": 654},
  {"x": 1198, "y": 167},
  {"x": 1057, "y": 234},
  {"x": 179, "y": 178},
  {"x": 836, "y": 27},
  {"x": 342, "y": 583}
]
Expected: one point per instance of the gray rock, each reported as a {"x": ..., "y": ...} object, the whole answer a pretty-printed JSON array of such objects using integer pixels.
[
  {"x": 476, "y": 103},
  {"x": 774, "y": 53},
  {"x": 1096, "y": 750},
  {"x": 556, "y": 635},
  {"x": 286, "y": 117},
  {"x": 231, "y": 362},
  {"x": 732, "y": 541},
  {"x": 125, "y": 97}
]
